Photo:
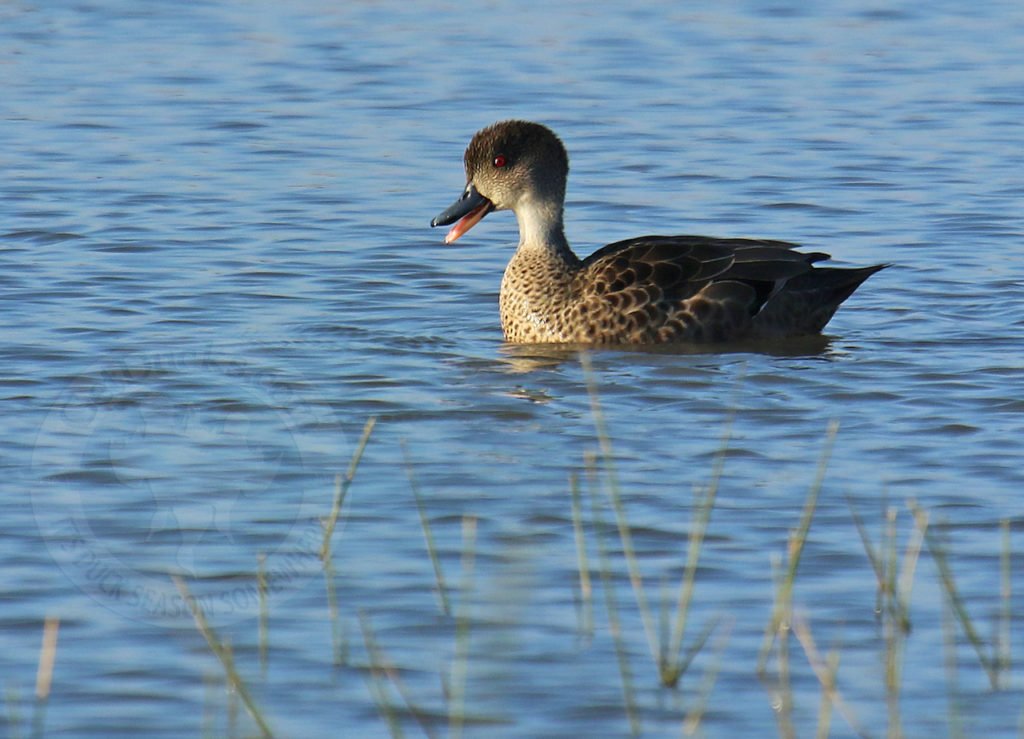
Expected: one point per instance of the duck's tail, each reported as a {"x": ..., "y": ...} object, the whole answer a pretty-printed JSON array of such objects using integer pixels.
[{"x": 805, "y": 303}]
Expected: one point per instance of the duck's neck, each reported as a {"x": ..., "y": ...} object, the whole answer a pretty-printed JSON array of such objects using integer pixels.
[{"x": 541, "y": 232}]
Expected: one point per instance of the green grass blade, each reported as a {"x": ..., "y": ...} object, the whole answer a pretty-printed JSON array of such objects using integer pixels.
[
  {"x": 460, "y": 662},
  {"x": 938, "y": 553},
  {"x": 1004, "y": 657},
  {"x": 263, "y": 622},
  {"x": 376, "y": 684},
  {"x": 622, "y": 523},
  {"x": 582, "y": 565},
  {"x": 674, "y": 667},
  {"x": 224, "y": 655},
  {"x": 612, "y": 607},
  {"x": 783, "y": 601},
  {"x": 435, "y": 560},
  {"x": 342, "y": 486}
]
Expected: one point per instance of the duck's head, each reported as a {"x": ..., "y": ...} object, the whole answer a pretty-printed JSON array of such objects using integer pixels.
[{"x": 511, "y": 165}]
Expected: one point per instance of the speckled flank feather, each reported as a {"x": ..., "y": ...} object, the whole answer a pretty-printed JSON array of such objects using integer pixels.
[{"x": 647, "y": 290}]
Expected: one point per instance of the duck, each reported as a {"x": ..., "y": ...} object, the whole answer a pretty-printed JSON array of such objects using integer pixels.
[{"x": 643, "y": 290}]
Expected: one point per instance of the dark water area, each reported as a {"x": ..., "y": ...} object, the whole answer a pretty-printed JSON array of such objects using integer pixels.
[{"x": 216, "y": 265}]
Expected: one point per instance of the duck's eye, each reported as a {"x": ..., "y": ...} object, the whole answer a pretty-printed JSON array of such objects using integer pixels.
[{"x": 500, "y": 161}]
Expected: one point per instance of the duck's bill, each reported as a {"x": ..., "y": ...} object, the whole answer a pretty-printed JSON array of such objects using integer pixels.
[{"x": 467, "y": 210}]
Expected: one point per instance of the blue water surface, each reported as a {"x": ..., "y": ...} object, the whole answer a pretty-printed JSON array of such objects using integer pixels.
[{"x": 217, "y": 265}]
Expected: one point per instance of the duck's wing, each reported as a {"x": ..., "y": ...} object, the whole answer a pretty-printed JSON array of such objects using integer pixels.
[
  {"x": 683, "y": 243},
  {"x": 675, "y": 262},
  {"x": 670, "y": 288},
  {"x": 672, "y": 265}
]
